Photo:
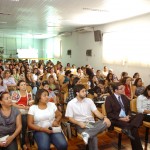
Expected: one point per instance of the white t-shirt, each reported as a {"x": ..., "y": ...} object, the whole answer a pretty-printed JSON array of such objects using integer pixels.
[
  {"x": 43, "y": 117},
  {"x": 142, "y": 103},
  {"x": 81, "y": 110}
]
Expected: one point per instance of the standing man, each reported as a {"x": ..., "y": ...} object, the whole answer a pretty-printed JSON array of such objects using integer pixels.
[
  {"x": 118, "y": 111},
  {"x": 80, "y": 111}
]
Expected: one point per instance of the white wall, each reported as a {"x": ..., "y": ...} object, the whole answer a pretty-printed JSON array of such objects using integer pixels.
[
  {"x": 79, "y": 43},
  {"x": 12, "y": 44}
]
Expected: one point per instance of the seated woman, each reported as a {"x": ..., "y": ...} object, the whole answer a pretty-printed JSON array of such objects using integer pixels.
[
  {"x": 43, "y": 116},
  {"x": 64, "y": 84},
  {"x": 126, "y": 81},
  {"x": 135, "y": 76},
  {"x": 30, "y": 81},
  {"x": 104, "y": 90},
  {"x": 22, "y": 100},
  {"x": 9, "y": 81},
  {"x": 93, "y": 82},
  {"x": 10, "y": 123},
  {"x": 36, "y": 77},
  {"x": 143, "y": 104},
  {"x": 71, "y": 95},
  {"x": 138, "y": 87},
  {"x": 54, "y": 86},
  {"x": 3, "y": 87},
  {"x": 52, "y": 96},
  {"x": 15, "y": 75}
]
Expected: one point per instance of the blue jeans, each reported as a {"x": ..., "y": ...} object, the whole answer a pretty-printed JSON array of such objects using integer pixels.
[
  {"x": 24, "y": 129},
  {"x": 44, "y": 140}
]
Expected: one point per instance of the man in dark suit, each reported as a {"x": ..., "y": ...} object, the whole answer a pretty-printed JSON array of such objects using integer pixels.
[{"x": 118, "y": 111}]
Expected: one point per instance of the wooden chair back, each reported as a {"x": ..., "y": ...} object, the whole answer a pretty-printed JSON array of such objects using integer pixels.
[
  {"x": 133, "y": 106},
  {"x": 104, "y": 110}
]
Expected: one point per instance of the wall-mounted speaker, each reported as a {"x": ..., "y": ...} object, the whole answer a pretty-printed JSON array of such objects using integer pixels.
[
  {"x": 97, "y": 35},
  {"x": 69, "y": 52},
  {"x": 89, "y": 52}
]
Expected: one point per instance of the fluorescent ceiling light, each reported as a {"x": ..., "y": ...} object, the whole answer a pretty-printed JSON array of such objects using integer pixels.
[
  {"x": 3, "y": 22},
  {"x": 15, "y": 0}
]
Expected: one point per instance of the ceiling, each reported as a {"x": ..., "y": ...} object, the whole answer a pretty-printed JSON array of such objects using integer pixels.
[{"x": 48, "y": 18}]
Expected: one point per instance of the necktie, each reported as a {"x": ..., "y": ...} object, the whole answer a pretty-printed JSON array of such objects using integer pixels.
[{"x": 121, "y": 104}]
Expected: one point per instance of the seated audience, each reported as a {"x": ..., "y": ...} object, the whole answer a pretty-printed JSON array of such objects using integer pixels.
[
  {"x": 30, "y": 81},
  {"x": 53, "y": 84},
  {"x": 109, "y": 78},
  {"x": 115, "y": 78},
  {"x": 35, "y": 76},
  {"x": 15, "y": 75},
  {"x": 10, "y": 123},
  {"x": 51, "y": 95},
  {"x": 67, "y": 77},
  {"x": 135, "y": 76},
  {"x": 51, "y": 72},
  {"x": 143, "y": 103},
  {"x": 61, "y": 71},
  {"x": 22, "y": 100},
  {"x": 83, "y": 118},
  {"x": 126, "y": 81},
  {"x": 73, "y": 69},
  {"x": 93, "y": 88},
  {"x": 76, "y": 81},
  {"x": 123, "y": 74},
  {"x": 64, "y": 84},
  {"x": 3, "y": 87},
  {"x": 118, "y": 111},
  {"x": 79, "y": 73},
  {"x": 105, "y": 71},
  {"x": 138, "y": 87},
  {"x": 41, "y": 70},
  {"x": 57, "y": 67},
  {"x": 99, "y": 75},
  {"x": 43, "y": 118},
  {"x": 9, "y": 81},
  {"x": 22, "y": 72},
  {"x": 68, "y": 67},
  {"x": 103, "y": 91}
]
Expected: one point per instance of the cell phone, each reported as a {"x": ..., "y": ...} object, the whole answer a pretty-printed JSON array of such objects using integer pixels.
[{"x": 50, "y": 128}]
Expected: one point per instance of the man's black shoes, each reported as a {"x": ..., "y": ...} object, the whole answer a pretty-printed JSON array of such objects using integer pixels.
[{"x": 128, "y": 133}]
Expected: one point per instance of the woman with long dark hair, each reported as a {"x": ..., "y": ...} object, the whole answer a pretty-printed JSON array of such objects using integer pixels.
[
  {"x": 44, "y": 119},
  {"x": 10, "y": 123}
]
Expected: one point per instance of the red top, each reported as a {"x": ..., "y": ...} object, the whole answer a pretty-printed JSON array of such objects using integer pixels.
[
  {"x": 127, "y": 91},
  {"x": 22, "y": 101}
]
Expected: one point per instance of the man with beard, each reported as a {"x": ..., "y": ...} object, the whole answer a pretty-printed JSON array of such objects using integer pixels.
[{"x": 80, "y": 111}]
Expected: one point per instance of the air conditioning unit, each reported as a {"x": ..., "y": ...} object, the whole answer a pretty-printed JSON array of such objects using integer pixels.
[
  {"x": 84, "y": 29},
  {"x": 65, "y": 34}
]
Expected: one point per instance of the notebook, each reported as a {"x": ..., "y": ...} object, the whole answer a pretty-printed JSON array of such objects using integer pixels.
[
  {"x": 3, "y": 139},
  {"x": 89, "y": 125},
  {"x": 56, "y": 129}
]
